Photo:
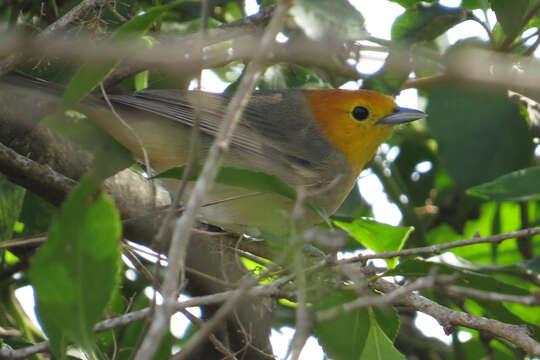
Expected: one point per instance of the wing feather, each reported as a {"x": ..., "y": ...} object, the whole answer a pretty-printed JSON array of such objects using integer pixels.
[{"x": 295, "y": 142}]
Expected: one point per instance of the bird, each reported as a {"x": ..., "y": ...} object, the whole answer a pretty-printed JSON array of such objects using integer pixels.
[{"x": 317, "y": 140}]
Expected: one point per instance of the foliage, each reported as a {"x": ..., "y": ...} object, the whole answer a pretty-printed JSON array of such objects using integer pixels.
[{"x": 482, "y": 179}]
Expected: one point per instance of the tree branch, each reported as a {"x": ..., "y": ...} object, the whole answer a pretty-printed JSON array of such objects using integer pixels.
[
  {"x": 449, "y": 318},
  {"x": 531, "y": 300},
  {"x": 428, "y": 282},
  {"x": 182, "y": 228},
  {"x": 437, "y": 249},
  {"x": 269, "y": 289},
  {"x": 28, "y": 173}
]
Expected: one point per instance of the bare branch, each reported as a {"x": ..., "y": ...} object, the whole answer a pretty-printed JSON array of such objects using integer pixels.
[
  {"x": 437, "y": 249},
  {"x": 184, "y": 55},
  {"x": 23, "y": 242},
  {"x": 391, "y": 296},
  {"x": 270, "y": 289},
  {"x": 531, "y": 300},
  {"x": 449, "y": 318},
  {"x": 213, "y": 338},
  {"x": 29, "y": 173},
  {"x": 182, "y": 229},
  {"x": 224, "y": 32}
]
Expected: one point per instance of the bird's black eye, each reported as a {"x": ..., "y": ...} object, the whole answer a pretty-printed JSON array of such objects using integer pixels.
[{"x": 360, "y": 113}]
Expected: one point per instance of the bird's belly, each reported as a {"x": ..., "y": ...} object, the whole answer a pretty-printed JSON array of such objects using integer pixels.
[
  {"x": 244, "y": 211},
  {"x": 240, "y": 210}
]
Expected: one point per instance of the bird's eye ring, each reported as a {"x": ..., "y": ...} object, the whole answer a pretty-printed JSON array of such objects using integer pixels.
[{"x": 360, "y": 113}]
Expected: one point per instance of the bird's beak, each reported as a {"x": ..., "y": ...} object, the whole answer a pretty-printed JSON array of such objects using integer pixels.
[{"x": 402, "y": 115}]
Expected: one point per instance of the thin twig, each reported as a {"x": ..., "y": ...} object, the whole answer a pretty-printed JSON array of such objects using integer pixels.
[
  {"x": 130, "y": 129},
  {"x": 523, "y": 40},
  {"x": 269, "y": 289},
  {"x": 533, "y": 47},
  {"x": 428, "y": 282},
  {"x": 23, "y": 242},
  {"x": 141, "y": 268},
  {"x": 532, "y": 11},
  {"x": 183, "y": 55},
  {"x": 437, "y": 249},
  {"x": 213, "y": 338},
  {"x": 486, "y": 27},
  {"x": 420, "y": 83},
  {"x": 219, "y": 147},
  {"x": 194, "y": 145},
  {"x": 454, "y": 290}
]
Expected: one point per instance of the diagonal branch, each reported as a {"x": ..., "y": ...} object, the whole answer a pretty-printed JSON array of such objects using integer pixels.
[
  {"x": 449, "y": 318},
  {"x": 174, "y": 275},
  {"x": 437, "y": 249}
]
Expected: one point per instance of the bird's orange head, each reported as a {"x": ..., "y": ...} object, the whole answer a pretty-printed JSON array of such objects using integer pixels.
[{"x": 357, "y": 121}]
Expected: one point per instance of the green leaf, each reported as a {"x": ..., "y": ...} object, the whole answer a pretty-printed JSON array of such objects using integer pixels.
[
  {"x": 475, "y": 4},
  {"x": 523, "y": 272},
  {"x": 75, "y": 271},
  {"x": 109, "y": 155},
  {"x": 530, "y": 266},
  {"x": 423, "y": 22},
  {"x": 141, "y": 80},
  {"x": 521, "y": 185},
  {"x": 36, "y": 214},
  {"x": 354, "y": 206},
  {"x": 409, "y": 3},
  {"x": 233, "y": 12},
  {"x": 500, "y": 311},
  {"x": 426, "y": 22},
  {"x": 285, "y": 76},
  {"x": 391, "y": 77},
  {"x": 469, "y": 274},
  {"x": 11, "y": 202},
  {"x": 414, "y": 149},
  {"x": 378, "y": 345},
  {"x": 493, "y": 218},
  {"x": 510, "y": 15},
  {"x": 530, "y": 313},
  {"x": 187, "y": 27},
  {"x": 344, "y": 336},
  {"x": 244, "y": 178},
  {"x": 376, "y": 236},
  {"x": 497, "y": 310},
  {"x": 389, "y": 321},
  {"x": 87, "y": 78},
  {"x": 318, "y": 18},
  {"x": 91, "y": 74},
  {"x": 476, "y": 349},
  {"x": 358, "y": 334},
  {"x": 481, "y": 134},
  {"x": 128, "y": 338}
]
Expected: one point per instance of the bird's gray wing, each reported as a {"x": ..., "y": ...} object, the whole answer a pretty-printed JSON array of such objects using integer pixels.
[{"x": 295, "y": 140}]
